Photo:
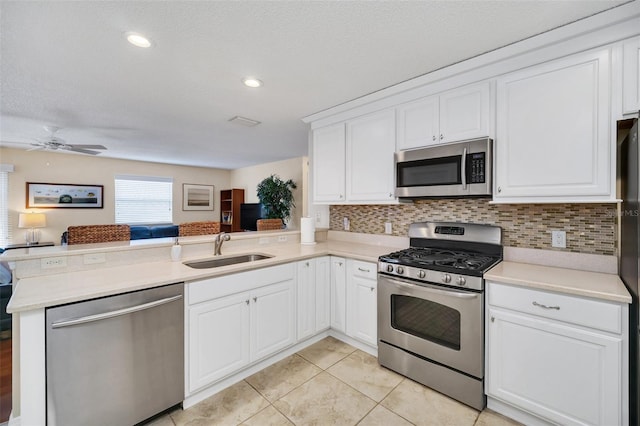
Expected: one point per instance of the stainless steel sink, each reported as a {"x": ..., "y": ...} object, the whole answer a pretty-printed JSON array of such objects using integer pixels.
[{"x": 225, "y": 261}]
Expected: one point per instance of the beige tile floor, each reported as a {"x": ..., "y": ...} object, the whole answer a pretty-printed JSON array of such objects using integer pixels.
[{"x": 330, "y": 383}]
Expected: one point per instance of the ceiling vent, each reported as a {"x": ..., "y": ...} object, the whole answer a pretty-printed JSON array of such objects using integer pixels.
[{"x": 243, "y": 121}]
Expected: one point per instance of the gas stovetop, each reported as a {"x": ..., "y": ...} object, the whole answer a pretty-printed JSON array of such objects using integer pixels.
[
  {"x": 453, "y": 254},
  {"x": 460, "y": 262}
]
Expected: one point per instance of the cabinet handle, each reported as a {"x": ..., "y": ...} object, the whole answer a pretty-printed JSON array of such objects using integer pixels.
[
  {"x": 255, "y": 299},
  {"x": 363, "y": 270},
  {"x": 306, "y": 264},
  {"x": 372, "y": 288},
  {"x": 340, "y": 195},
  {"x": 390, "y": 195},
  {"x": 540, "y": 305},
  {"x": 246, "y": 301},
  {"x": 340, "y": 263},
  {"x": 441, "y": 136},
  {"x": 493, "y": 319},
  {"x": 434, "y": 137},
  {"x": 499, "y": 189}
]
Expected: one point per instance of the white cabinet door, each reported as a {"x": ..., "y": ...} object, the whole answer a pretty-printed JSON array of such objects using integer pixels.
[
  {"x": 553, "y": 127},
  {"x": 328, "y": 162},
  {"x": 272, "y": 319},
  {"x": 631, "y": 77},
  {"x": 218, "y": 339},
  {"x": 338, "y": 294},
  {"x": 306, "y": 286},
  {"x": 456, "y": 115},
  {"x": 418, "y": 124},
  {"x": 323, "y": 293},
  {"x": 464, "y": 113},
  {"x": 370, "y": 148},
  {"x": 565, "y": 374},
  {"x": 362, "y": 307}
]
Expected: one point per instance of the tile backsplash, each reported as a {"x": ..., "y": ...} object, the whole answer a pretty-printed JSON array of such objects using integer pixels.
[{"x": 590, "y": 228}]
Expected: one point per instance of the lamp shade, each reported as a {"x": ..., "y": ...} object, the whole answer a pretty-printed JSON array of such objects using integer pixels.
[{"x": 32, "y": 220}]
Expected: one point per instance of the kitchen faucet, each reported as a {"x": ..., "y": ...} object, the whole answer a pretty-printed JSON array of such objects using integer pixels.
[{"x": 220, "y": 238}]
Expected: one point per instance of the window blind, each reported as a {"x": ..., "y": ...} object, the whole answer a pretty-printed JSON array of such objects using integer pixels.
[
  {"x": 5, "y": 226},
  {"x": 143, "y": 199}
]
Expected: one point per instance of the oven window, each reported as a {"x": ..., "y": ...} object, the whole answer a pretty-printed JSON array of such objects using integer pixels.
[
  {"x": 434, "y": 171},
  {"x": 426, "y": 319}
]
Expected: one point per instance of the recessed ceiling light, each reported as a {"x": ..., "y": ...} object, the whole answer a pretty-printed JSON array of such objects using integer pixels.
[
  {"x": 138, "y": 40},
  {"x": 252, "y": 82}
]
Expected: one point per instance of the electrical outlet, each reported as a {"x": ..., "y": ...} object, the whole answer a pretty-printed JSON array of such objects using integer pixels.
[
  {"x": 318, "y": 217},
  {"x": 263, "y": 240},
  {"x": 387, "y": 228},
  {"x": 559, "y": 239},
  {"x": 282, "y": 239},
  {"x": 53, "y": 262},
  {"x": 92, "y": 258},
  {"x": 345, "y": 223}
]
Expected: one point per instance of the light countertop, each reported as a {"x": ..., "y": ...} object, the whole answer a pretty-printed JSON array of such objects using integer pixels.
[
  {"x": 51, "y": 290},
  {"x": 569, "y": 281}
]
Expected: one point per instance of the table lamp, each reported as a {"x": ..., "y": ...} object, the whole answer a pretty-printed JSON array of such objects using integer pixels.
[{"x": 31, "y": 221}]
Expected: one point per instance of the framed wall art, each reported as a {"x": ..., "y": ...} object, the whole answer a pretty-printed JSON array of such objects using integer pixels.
[
  {"x": 197, "y": 197},
  {"x": 64, "y": 196}
]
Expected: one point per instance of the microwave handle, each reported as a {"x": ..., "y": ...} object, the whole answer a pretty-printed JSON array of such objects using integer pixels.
[{"x": 463, "y": 169}]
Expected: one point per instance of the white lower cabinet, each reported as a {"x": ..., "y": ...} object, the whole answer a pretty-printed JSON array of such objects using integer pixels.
[
  {"x": 313, "y": 285},
  {"x": 338, "y": 294},
  {"x": 227, "y": 332},
  {"x": 362, "y": 320},
  {"x": 547, "y": 355}
]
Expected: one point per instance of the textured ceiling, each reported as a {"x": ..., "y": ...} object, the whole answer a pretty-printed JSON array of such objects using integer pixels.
[{"x": 67, "y": 63}]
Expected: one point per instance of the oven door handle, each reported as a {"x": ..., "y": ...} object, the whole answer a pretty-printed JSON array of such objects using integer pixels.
[{"x": 451, "y": 293}]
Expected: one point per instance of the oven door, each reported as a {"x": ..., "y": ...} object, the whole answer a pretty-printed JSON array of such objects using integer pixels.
[{"x": 438, "y": 323}]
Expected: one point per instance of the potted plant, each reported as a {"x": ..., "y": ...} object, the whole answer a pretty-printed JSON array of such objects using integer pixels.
[{"x": 276, "y": 197}]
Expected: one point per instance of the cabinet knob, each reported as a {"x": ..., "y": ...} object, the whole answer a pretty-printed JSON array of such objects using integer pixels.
[
  {"x": 499, "y": 189},
  {"x": 255, "y": 299},
  {"x": 390, "y": 195},
  {"x": 306, "y": 264},
  {"x": 493, "y": 319},
  {"x": 441, "y": 136},
  {"x": 246, "y": 301},
  {"x": 434, "y": 137},
  {"x": 372, "y": 288},
  {"x": 340, "y": 263}
]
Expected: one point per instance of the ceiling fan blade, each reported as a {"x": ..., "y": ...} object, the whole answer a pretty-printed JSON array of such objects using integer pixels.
[
  {"x": 88, "y": 146},
  {"x": 82, "y": 151}
]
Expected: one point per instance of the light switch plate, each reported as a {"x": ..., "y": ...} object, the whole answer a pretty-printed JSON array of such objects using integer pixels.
[
  {"x": 559, "y": 239},
  {"x": 53, "y": 262}
]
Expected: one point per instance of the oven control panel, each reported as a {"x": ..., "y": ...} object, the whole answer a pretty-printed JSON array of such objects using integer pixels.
[{"x": 430, "y": 276}]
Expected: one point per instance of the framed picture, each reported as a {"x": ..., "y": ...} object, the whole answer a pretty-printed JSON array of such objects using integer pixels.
[
  {"x": 64, "y": 196},
  {"x": 197, "y": 197}
]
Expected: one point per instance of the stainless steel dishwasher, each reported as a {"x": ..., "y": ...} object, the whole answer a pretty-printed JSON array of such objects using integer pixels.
[{"x": 116, "y": 360}]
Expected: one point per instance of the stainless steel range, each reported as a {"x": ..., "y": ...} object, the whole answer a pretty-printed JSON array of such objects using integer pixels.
[{"x": 431, "y": 307}]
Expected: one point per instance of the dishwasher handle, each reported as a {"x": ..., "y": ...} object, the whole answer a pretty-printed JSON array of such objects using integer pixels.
[{"x": 116, "y": 313}]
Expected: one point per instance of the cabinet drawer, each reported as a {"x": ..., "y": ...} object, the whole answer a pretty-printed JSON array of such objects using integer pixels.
[
  {"x": 590, "y": 313},
  {"x": 212, "y": 288},
  {"x": 364, "y": 270}
]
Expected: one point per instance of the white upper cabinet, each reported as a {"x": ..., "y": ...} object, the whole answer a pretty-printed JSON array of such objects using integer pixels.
[
  {"x": 329, "y": 164},
  {"x": 553, "y": 132},
  {"x": 631, "y": 76},
  {"x": 352, "y": 162},
  {"x": 370, "y": 148},
  {"x": 458, "y": 114}
]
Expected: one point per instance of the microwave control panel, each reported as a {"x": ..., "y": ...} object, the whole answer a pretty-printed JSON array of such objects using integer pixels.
[{"x": 476, "y": 167}]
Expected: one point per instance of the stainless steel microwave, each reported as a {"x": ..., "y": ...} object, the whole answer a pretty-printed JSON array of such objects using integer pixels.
[{"x": 457, "y": 169}]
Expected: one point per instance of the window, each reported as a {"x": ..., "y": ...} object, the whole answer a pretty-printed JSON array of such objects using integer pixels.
[
  {"x": 143, "y": 199},
  {"x": 5, "y": 228}
]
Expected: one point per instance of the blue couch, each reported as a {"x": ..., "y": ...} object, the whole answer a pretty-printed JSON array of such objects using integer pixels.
[{"x": 143, "y": 232}]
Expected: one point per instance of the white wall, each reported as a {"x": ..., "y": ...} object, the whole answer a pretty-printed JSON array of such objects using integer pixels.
[
  {"x": 248, "y": 178},
  {"x": 51, "y": 167}
]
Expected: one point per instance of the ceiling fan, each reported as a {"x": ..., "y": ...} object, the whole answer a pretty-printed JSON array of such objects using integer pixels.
[{"x": 54, "y": 143}]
